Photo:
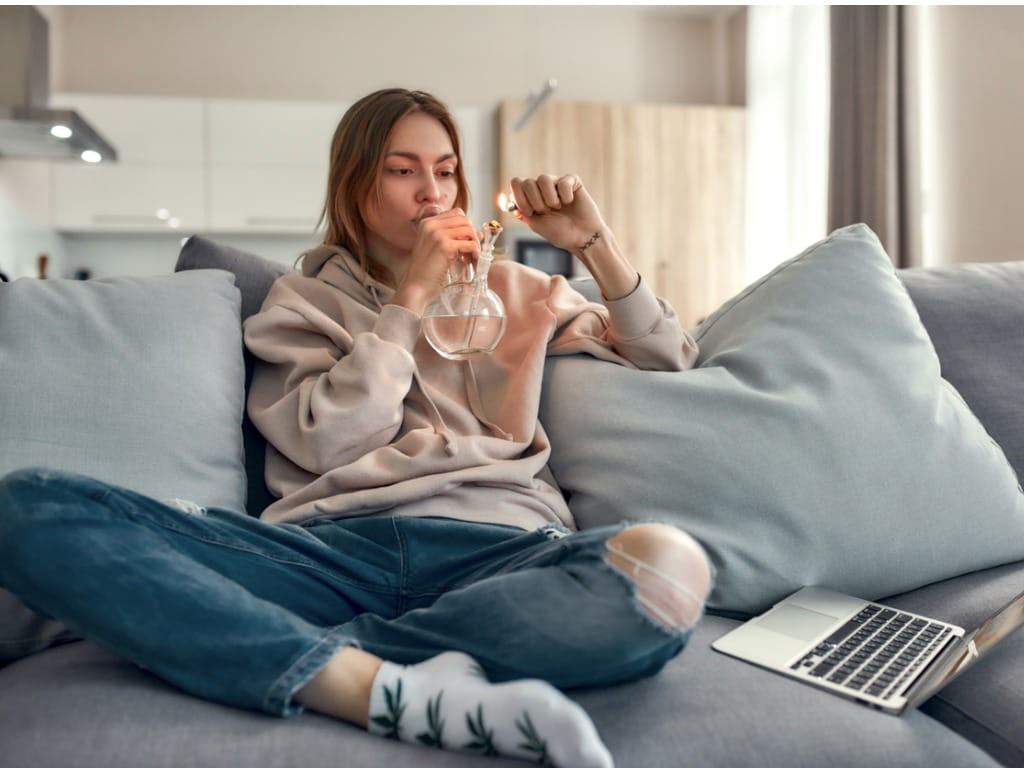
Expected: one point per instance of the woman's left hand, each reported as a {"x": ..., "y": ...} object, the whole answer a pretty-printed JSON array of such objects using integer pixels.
[{"x": 558, "y": 208}]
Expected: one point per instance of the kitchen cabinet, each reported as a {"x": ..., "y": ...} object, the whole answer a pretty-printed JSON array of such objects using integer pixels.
[
  {"x": 268, "y": 163},
  {"x": 123, "y": 198},
  {"x": 224, "y": 165},
  {"x": 157, "y": 183},
  {"x": 669, "y": 181}
]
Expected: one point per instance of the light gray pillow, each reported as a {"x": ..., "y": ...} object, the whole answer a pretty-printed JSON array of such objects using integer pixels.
[
  {"x": 253, "y": 275},
  {"x": 974, "y": 314},
  {"x": 816, "y": 443},
  {"x": 137, "y": 381}
]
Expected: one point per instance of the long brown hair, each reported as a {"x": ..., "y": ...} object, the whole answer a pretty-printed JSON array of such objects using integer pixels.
[{"x": 357, "y": 153}]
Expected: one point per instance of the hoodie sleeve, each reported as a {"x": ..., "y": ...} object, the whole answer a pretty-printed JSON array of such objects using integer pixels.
[
  {"x": 640, "y": 329},
  {"x": 321, "y": 397}
]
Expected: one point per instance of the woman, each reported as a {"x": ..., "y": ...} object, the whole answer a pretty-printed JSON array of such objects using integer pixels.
[{"x": 418, "y": 574}]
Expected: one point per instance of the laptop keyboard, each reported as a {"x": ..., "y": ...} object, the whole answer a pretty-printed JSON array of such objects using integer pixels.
[{"x": 877, "y": 652}]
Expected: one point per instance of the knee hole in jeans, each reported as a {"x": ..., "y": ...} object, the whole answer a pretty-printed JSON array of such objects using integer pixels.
[{"x": 670, "y": 571}]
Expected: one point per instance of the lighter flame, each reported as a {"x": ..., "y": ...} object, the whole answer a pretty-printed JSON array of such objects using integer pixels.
[{"x": 507, "y": 203}]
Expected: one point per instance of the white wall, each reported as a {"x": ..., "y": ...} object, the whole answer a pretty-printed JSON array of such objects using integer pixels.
[
  {"x": 974, "y": 108},
  {"x": 24, "y": 221},
  {"x": 467, "y": 55}
]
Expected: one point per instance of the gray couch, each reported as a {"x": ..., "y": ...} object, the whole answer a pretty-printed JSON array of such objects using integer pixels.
[{"x": 75, "y": 704}]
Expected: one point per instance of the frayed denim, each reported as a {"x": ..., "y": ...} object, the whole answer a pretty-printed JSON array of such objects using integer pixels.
[{"x": 245, "y": 613}]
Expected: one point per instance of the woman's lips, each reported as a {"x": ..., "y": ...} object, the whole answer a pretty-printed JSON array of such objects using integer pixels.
[{"x": 426, "y": 212}]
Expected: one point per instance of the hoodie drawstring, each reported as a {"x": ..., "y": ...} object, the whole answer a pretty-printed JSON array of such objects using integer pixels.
[
  {"x": 436, "y": 421},
  {"x": 473, "y": 395}
]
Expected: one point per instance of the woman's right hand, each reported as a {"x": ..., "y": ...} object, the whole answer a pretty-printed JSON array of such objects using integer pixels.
[{"x": 443, "y": 238}]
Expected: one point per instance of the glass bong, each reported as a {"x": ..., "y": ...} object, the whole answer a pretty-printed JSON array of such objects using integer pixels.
[{"x": 467, "y": 320}]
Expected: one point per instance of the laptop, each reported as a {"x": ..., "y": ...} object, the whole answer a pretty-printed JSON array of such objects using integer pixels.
[{"x": 881, "y": 656}]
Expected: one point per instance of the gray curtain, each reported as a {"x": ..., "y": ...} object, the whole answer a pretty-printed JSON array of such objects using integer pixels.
[{"x": 873, "y": 136}]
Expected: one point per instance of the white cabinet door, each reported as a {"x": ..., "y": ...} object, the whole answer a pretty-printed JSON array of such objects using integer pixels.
[
  {"x": 115, "y": 198},
  {"x": 268, "y": 164},
  {"x": 246, "y": 133},
  {"x": 266, "y": 199},
  {"x": 158, "y": 181},
  {"x": 145, "y": 130},
  {"x": 220, "y": 165}
]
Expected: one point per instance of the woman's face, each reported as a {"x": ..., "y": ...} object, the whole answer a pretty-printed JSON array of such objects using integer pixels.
[{"x": 417, "y": 179}]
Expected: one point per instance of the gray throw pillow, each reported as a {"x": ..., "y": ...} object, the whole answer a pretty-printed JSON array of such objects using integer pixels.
[
  {"x": 137, "y": 381},
  {"x": 815, "y": 443},
  {"x": 253, "y": 275},
  {"x": 974, "y": 314}
]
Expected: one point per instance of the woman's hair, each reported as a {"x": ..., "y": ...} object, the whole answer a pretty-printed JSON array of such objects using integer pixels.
[{"x": 357, "y": 154}]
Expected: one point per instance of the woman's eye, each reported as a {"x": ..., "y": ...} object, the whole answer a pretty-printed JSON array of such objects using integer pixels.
[
  {"x": 446, "y": 174},
  {"x": 400, "y": 171}
]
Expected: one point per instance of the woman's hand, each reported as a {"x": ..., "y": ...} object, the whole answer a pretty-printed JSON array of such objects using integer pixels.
[
  {"x": 443, "y": 238},
  {"x": 560, "y": 210}
]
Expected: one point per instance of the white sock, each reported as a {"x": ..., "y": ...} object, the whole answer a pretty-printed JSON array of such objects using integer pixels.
[{"x": 447, "y": 702}]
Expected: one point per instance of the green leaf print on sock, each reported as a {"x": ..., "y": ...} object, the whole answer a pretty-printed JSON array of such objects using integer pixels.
[
  {"x": 534, "y": 743},
  {"x": 396, "y": 708},
  {"x": 483, "y": 737},
  {"x": 434, "y": 735}
]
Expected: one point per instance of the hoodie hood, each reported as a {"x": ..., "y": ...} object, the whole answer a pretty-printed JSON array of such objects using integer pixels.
[{"x": 314, "y": 259}]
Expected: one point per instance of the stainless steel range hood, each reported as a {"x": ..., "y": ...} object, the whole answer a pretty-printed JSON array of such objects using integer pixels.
[{"x": 29, "y": 127}]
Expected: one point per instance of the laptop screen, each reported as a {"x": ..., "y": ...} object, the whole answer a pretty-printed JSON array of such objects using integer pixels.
[{"x": 974, "y": 645}]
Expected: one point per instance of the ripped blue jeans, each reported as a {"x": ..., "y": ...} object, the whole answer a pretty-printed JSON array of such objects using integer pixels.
[{"x": 245, "y": 613}]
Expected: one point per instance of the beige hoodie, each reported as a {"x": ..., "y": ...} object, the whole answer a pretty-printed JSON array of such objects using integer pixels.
[{"x": 362, "y": 417}]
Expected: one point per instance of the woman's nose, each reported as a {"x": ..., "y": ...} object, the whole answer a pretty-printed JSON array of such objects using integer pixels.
[{"x": 430, "y": 189}]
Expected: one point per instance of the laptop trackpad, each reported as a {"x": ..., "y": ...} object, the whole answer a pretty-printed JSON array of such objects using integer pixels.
[{"x": 800, "y": 623}]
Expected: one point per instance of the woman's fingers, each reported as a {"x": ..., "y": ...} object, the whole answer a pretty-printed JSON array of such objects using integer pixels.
[
  {"x": 452, "y": 234},
  {"x": 545, "y": 193},
  {"x": 566, "y": 187}
]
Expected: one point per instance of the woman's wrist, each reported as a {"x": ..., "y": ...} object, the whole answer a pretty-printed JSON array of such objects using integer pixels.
[
  {"x": 411, "y": 297},
  {"x": 600, "y": 254}
]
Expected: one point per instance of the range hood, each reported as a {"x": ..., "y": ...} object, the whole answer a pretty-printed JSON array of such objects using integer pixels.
[{"x": 29, "y": 127}]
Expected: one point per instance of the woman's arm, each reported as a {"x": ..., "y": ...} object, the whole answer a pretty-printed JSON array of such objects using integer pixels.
[
  {"x": 639, "y": 329},
  {"x": 642, "y": 328},
  {"x": 324, "y": 398},
  {"x": 560, "y": 210}
]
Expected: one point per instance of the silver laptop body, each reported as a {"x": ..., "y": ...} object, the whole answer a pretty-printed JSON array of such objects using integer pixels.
[{"x": 875, "y": 654}]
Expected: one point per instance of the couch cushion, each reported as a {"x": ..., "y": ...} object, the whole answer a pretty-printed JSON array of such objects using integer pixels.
[
  {"x": 974, "y": 314},
  {"x": 253, "y": 275},
  {"x": 816, "y": 443},
  {"x": 78, "y": 705},
  {"x": 135, "y": 380},
  {"x": 23, "y": 631}
]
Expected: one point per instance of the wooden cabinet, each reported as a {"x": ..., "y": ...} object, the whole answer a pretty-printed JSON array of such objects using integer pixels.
[
  {"x": 669, "y": 181},
  {"x": 156, "y": 185}
]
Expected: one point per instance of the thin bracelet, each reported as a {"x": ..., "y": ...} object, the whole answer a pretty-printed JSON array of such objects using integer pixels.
[{"x": 593, "y": 239}]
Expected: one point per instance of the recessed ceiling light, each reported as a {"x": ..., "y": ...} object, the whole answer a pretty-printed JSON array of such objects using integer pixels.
[
  {"x": 91, "y": 156},
  {"x": 60, "y": 131}
]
